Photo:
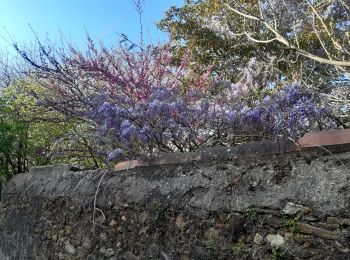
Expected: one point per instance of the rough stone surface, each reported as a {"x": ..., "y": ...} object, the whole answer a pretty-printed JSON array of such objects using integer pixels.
[
  {"x": 275, "y": 241},
  {"x": 292, "y": 209},
  {"x": 69, "y": 248},
  {"x": 258, "y": 239},
  {"x": 198, "y": 210},
  {"x": 338, "y": 221},
  {"x": 320, "y": 232}
]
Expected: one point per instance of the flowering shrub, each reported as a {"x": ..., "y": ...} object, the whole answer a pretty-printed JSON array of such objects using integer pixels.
[
  {"x": 142, "y": 105},
  {"x": 168, "y": 121}
]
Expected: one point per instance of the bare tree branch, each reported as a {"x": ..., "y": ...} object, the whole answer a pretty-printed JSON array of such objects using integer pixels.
[{"x": 280, "y": 38}]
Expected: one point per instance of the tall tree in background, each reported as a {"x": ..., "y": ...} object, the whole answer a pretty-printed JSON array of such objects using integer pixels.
[
  {"x": 299, "y": 40},
  {"x": 288, "y": 41},
  {"x": 32, "y": 135}
]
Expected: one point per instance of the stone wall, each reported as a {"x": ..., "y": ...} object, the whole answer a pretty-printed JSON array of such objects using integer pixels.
[{"x": 294, "y": 205}]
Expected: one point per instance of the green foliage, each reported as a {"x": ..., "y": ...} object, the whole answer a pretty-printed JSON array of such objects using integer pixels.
[
  {"x": 187, "y": 28},
  {"x": 238, "y": 247},
  {"x": 293, "y": 225},
  {"x": 13, "y": 142},
  {"x": 278, "y": 253},
  {"x": 250, "y": 214},
  {"x": 31, "y": 135},
  {"x": 160, "y": 212},
  {"x": 211, "y": 249}
]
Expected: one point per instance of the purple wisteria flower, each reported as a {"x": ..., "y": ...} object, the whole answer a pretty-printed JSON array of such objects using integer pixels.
[{"x": 115, "y": 155}]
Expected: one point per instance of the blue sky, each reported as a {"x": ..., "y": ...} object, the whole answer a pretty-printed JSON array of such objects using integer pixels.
[{"x": 100, "y": 18}]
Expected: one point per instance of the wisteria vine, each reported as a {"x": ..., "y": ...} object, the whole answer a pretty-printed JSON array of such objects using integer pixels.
[
  {"x": 168, "y": 121},
  {"x": 143, "y": 105}
]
